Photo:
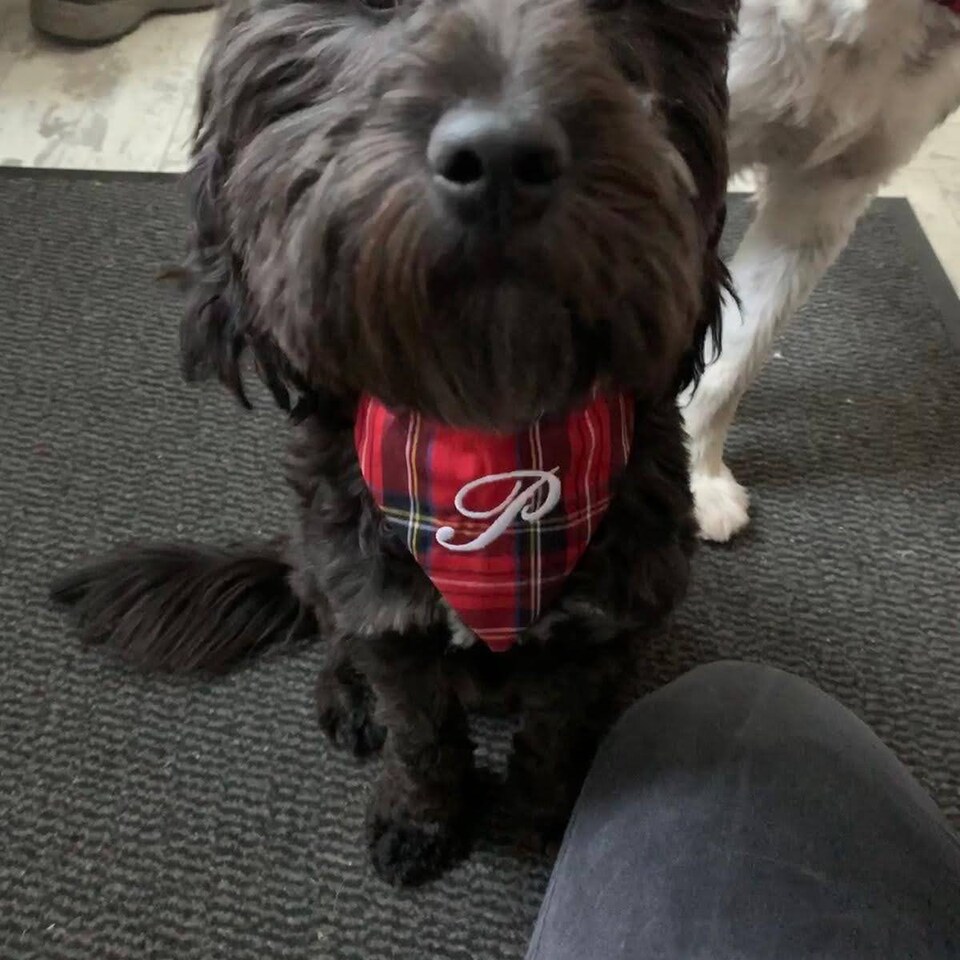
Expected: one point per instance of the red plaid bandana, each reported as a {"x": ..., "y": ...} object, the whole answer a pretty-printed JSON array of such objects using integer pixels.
[{"x": 498, "y": 522}]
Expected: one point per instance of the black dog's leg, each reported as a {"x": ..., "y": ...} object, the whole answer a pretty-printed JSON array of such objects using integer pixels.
[
  {"x": 417, "y": 821},
  {"x": 345, "y": 704},
  {"x": 570, "y": 698}
]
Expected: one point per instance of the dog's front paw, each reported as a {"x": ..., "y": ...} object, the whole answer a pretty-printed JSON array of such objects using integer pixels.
[
  {"x": 345, "y": 711},
  {"x": 722, "y": 505},
  {"x": 408, "y": 852},
  {"x": 539, "y": 840},
  {"x": 537, "y": 824}
]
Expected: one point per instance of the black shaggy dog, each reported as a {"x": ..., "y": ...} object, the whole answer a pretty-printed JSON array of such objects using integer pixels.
[{"x": 476, "y": 210}]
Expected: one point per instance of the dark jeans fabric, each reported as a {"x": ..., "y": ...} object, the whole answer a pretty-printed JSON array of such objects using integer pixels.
[{"x": 740, "y": 813}]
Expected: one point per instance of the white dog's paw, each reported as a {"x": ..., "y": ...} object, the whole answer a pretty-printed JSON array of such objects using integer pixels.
[{"x": 721, "y": 504}]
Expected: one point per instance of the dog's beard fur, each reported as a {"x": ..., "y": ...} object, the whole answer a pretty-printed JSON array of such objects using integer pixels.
[
  {"x": 318, "y": 247},
  {"x": 329, "y": 248}
]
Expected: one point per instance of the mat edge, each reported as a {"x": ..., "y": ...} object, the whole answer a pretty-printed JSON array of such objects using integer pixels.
[{"x": 940, "y": 287}]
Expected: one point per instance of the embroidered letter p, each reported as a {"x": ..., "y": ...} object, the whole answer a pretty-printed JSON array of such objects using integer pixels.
[{"x": 519, "y": 502}]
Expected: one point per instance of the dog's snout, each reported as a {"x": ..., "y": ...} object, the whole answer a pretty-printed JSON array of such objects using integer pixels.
[{"x": 487, "y": 162}]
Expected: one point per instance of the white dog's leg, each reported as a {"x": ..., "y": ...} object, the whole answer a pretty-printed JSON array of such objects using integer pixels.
[{"x": 800, "y": 227}]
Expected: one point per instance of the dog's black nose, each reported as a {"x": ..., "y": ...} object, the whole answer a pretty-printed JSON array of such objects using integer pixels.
[{"x": 490, "y": 165}]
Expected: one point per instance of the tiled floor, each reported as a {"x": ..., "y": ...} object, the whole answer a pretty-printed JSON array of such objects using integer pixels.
[
  {"x": 129, "y": 106},
  {"x": 124, "y": 106}
]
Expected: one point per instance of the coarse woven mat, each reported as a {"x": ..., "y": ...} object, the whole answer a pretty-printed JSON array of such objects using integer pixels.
[{"x": 142, "y": 818}]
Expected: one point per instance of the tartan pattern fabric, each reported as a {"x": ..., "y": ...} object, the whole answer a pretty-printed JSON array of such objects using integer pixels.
[{"x": 497, "y": 521}]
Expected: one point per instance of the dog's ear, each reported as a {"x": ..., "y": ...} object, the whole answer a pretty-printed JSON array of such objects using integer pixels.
[
  {"x": 212, "y": 336},
  {"x": 707, "y": 337},
  {"x": 696, "y": 114},
  {"x": 217, "y": 337}
]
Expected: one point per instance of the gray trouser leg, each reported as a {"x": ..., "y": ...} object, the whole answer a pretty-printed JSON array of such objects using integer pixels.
[{"x": 742, "y": 814}]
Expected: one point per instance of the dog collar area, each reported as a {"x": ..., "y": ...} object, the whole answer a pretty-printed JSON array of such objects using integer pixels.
[{"x": 497, "y": 522}]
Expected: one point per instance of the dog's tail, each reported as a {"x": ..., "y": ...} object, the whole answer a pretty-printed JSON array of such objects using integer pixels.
[{"x": 183, "y": 608}]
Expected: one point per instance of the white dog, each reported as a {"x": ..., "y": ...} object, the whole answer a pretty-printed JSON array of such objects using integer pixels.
[{"x": 828, "y": 99}]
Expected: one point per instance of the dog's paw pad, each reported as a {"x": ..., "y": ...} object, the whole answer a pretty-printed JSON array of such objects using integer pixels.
[
  {"x": 406, "y": 854},
  {"x": 722, "y": 505}
]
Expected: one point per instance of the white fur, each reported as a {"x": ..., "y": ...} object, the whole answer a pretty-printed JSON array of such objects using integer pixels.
[{"x": 828, "y": 99}]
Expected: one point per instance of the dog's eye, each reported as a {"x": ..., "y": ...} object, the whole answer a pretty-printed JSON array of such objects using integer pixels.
[{"x": 381, "y": 7}]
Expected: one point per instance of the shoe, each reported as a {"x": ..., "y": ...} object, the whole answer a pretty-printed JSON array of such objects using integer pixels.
[{"x": 100, "y": 21}]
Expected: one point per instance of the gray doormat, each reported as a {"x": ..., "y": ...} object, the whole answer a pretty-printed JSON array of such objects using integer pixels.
[{"x": 141, "y": 818}]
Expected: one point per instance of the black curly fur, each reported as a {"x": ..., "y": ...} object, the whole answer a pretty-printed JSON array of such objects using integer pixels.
[{"x": 316, "y": 251}]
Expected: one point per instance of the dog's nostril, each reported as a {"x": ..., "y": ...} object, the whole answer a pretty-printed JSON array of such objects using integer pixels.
[
  {"x": 463, "y": 167},
  {"x": 488, "y": 163},
  {"x": 536, "y": 166}
]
